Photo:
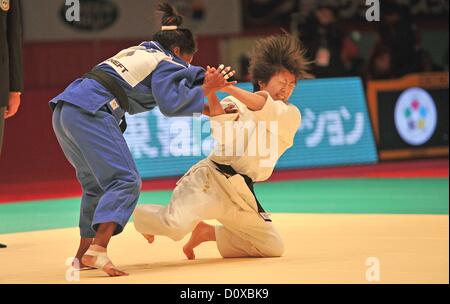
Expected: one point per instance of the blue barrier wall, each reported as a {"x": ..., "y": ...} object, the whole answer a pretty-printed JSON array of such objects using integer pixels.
[{"x": 335, "y": 130}]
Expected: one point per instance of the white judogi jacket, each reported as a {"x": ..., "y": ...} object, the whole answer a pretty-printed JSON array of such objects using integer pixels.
[
  {"x": 204, "y": 193},
  {"x": 256, "y": 139}
]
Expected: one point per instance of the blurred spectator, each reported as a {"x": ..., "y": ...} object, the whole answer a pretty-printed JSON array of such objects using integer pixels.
[
  {"x": 427, "y": 64},
  {"x": 267, "y": 12},
  {"x": 380, "y": 64},
  {"x": 323, "y": 38},
  {"x": 351, "y": 59},
  {"x": 193, "y": 9},
  {"x": 398, "y": 33},
  {"x": 198, "y": 10},
  {"x": 244, "y": 63}
]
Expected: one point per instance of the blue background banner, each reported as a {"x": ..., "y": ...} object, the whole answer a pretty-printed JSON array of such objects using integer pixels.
[{"x": 335, "y": 130}]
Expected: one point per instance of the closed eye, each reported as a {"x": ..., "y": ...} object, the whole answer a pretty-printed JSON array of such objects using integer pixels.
[{"x": 285, "y": 84}]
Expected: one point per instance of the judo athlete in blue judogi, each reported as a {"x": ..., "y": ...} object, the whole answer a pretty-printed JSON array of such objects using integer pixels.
[{"x": 88, "y": 120}]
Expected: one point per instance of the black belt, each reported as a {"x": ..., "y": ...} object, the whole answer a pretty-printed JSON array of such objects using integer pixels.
[
  {"x": 111, "y": 84},
  {"x": 228, "y": 170}
]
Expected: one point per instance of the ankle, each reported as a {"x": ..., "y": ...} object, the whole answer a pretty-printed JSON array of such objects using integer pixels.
[
  {"x": 211, "y": 233},
  {"x": 97, "y": 248},
  {"x": 207, "y": 233},
  {"x": 76, "y": 262}
]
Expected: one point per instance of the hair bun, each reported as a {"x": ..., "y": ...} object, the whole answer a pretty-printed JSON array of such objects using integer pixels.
[{"x": 170, "y": 16}]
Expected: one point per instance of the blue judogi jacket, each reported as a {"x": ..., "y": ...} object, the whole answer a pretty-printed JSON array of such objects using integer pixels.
[{"x": 150, "y": 75}]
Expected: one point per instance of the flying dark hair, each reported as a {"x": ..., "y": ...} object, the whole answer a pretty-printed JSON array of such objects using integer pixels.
[
  {"x": 181, "y": 37},
  {"x": 277, "y": 53}
]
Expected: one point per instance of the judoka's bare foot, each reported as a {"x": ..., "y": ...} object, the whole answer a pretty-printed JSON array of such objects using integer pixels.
[
  {"x": 150, "y": 238},
  {"x": 202, "y": 233},
  {"x": 76, "y": 264},
  {"x": 109, "y": 268},
  {"x": 96, "y": 256}
]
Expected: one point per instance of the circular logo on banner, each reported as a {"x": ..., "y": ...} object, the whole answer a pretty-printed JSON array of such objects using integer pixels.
[
  {"x": 415, "y": 116},
  {"x": 4, "y": 4}
]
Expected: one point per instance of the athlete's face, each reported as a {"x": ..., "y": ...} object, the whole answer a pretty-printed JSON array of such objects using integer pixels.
[{"x": 280, "y": 86}]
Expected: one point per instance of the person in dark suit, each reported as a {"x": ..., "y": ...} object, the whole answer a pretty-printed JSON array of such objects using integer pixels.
[{"x": 11, "y": 74}]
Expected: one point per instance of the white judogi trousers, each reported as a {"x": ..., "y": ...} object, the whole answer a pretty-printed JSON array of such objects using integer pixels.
[{"x": 204, "y": 193}]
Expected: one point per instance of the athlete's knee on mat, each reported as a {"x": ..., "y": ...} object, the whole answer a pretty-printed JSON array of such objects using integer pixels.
[
  {"x": 273, "y": 247},
  {"x": 269, "y": 250},
  {"x": 277, "y": 250}
]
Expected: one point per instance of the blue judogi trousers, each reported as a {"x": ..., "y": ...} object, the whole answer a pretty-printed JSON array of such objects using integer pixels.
[{"x": 96, "y": 148}]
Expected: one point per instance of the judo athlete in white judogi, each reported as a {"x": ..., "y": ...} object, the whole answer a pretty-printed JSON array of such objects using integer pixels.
[{"x": 249, "y": 143}]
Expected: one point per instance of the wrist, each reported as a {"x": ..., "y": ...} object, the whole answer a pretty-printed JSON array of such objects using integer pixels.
[
  {"x": 206, "y": 90},
  {"x": 206, "y": 110},
  {"x": 226, "y": 89}
]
